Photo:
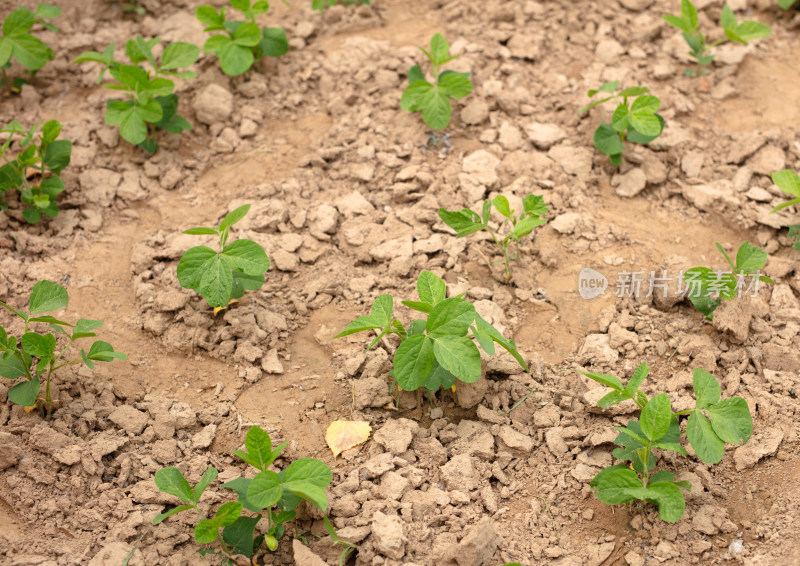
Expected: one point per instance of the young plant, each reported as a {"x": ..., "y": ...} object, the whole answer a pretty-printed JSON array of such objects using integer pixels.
[
  {"x": 36, "y": 169},
  {"x": 711, "y": 424},
  {"x": 130, "y": 6},
  {"x": 273, "y": 496},
  {"x": 33, "y": 357},
  {"x": 220, "y": 277},
  {"x": 347, "y": 547},
  {"x": 433, "y": 99},
  {"x": 789, "y": 182},
  {"x": 243, "y": 43},
  {"x": 707, "y": 288},
  {"x": 17, "y": 41},
  {"x": 436, "y": 350},
  {"x": 466, "y": 222},
  {"x": 322, "y": 4},
  {"x": 636, "y": 122},
  {"x": 688, "y": 24},
  {"x": 150, "y": 103}
]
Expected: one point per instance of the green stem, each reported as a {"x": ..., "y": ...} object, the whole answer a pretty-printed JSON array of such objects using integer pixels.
[{"x": 504, "y": 249}]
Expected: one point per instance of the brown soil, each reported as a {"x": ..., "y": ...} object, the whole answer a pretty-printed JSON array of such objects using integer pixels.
[{"x": 344, "y": 196}]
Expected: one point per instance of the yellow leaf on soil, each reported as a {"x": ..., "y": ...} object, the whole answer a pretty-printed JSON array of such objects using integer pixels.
[{"x": 342, "y": 435}]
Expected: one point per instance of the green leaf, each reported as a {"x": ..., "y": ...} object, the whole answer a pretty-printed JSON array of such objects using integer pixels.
[
  {"x": 534, "y": 205},
  {"x": 706, "y": 389},
  {"x": 526, "y": 226},
  {"x": 47, "y": 296},
  {"x": 431, "y": 288},
  {"x": 464, "y": 222},
  {"x": 274, "y": 42},
  {"x": 509, "y": 345},
  {"x": 635, "y": 136},
  {"x": 750, "y": 258},
  {"x": 436, "y": 109},
  {"x": 47, "y": 11},
  {"x": 502, "y": 206},
  {"x": 382, "y": 309},
  {"x": 247, "y": 256},
  {"x": 240, "y": 534},
  {"x": 605, "y": 379},
  {"x": 455, "y": 85},
  {"x": 50, "y": 131},
  {"x": 788, "y": 181},
  {"x": 607, "y": 140},
  {"x": 310, "y": 470},
  {"x": 265, "y": 490},
  {"x": 360, "y": 324},
  {"x": 451, "y": 317},
  {"x": 10, "y": 366},
  {"x": 159, "y": 518},
  {"x": 190, "y": 266},
  {"x": 731, "y": 420},
  {"x": 647, "y": 104},
  {"x": 209, "y": 476},
  {"x": 458, "y": 355},
  {"x": 170, "y": 480},
  {"x": 439, "y": 378},
  {"x": 241, "y": 485},
  {"x": 132, "y": 118},
  {"x": 179, "y": 55},
  {"x": 614, "y": 483},
  {"x": 207, "y": 530},
  {"x": 41, "y": 346},
  {"x": 216, "y": 281},
  {"x": 636, "y": 379},
  {"x": 25, "y": 393},
  {"x": 669, "y": 499},
  {"x": 415, "y": 74},
  {"x": 413, "y": 362},
  {"x": 439, "y": 48},
  {"x": 309, "y": 492},
  {"x": 208, "y": 16},
  {"x": 656, "y": 416},
  {"x": 103, "y": 352},
  {"x": 707, "y": 445},
  {"x": 259, "y": 448},
  {"x": 202, "y": 231},
  {"x": 57, "y": 155},
  {"x": 413, "y": 93}
]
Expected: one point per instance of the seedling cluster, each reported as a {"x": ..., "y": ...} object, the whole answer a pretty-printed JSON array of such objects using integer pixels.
[
  {"x": 712, "y": 423},
  {"x": 437, "y": 350},
  {"x": 47, "y": 157},
  {"x": 33, "y": 358},
  {"x": 18, "y": 43},
  {"x": 272, "y": 496},
  {"x": 636, "y": 121},
  {"x": 225, "y": 275},
  {"x": 707, "y": 288},
  {"x": 739, "y": 32},
  {"x": 789, "y": 182},
  {"x": 466, "y": 222},
  {"x": 433, "y": 99},
  {"x": 150, "y": 102},
  {"x": 243, "y": 42}
]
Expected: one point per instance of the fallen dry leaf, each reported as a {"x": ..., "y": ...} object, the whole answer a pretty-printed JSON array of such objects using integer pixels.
[{"x": 342, "y": 435}]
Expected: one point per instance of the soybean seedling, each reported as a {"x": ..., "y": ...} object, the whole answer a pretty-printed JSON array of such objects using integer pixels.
[
  {"x": 150, "y": 103},
  {"x": 322, "y": 4},
  {"x": 273, "y": 496},
  {"x": 243, "y": 43},
  {"x": 130, "y": 6},
  {"x": 688, "y": 24},
  {"x": 347, "y": 547},
  {"x": 435, "y": 351},
  {"x": 707, "y": 288},
  {"x": 33, "y": 357},
  {"x": 636, "y": 121},
  {"x": 466, "y": 222},
  {"x": 47, "y": 157},
  {"x": 19, "y": 43},
  {"x": 432, "y": 99},
  {"x": 223, "y": 276},
  {"x": 789, "y": 182},
  {"x": 711, "y": 424}
]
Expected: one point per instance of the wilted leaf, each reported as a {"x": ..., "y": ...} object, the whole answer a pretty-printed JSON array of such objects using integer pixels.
[{"x": 343, "y": 435}]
